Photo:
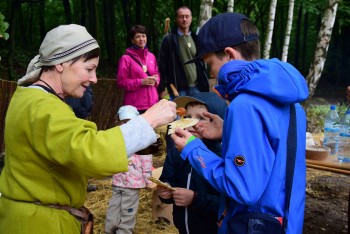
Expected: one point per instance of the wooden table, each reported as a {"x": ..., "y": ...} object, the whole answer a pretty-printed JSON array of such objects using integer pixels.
[{"x": 330, "y": 164}]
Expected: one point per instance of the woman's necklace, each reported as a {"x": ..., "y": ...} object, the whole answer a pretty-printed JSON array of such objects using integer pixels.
[
  {"x": 144, "y": 66},
  {"x": 50, "y": 89}
]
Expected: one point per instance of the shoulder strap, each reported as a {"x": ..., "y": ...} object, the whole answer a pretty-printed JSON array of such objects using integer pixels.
[
  {"x": 138, "y": 62},
  {"x": 291, "y": 155}
]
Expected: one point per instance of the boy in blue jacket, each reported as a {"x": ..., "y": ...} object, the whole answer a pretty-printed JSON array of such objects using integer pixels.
[
  {"x": 195, "y": 201},
  {"x": 252, "y": 169}
]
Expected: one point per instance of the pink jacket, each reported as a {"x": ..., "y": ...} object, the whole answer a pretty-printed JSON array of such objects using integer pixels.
[
  {"x": 130, "y": 75},
  {"x": 139, "y": 168}
]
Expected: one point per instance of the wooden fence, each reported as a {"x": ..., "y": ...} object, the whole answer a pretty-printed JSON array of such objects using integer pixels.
[{"x": 107, "y": 99}]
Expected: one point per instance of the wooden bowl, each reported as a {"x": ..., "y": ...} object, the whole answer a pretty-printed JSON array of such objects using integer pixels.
[{"x": 317, "y": 152}]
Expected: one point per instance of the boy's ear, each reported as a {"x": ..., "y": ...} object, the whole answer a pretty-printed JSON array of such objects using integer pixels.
[{"x": 232, "y": 53}]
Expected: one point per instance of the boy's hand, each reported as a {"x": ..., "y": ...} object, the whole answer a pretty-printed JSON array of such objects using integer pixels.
[
  {"x": 164, "y": 192},
  {"x": 180, "y": 138},
  {"x": 210, "y": 130},
  {"x": 183, "y": 197}
]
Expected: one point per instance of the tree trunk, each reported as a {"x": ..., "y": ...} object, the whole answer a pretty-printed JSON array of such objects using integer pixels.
[
  {"x": 13, "y": 25},
  {"x": 324, "y": 37},
  {"x": 42, "y": 20},
  {"x": 305, "y": 40},
  {"x": 288, "y": 30},
  {"x": 152, "y": 28},
  {"x": 67, "y": 12},
  {"x": 230, "y": 5},
  {"x": 270, "y": 27},
  {"x": 345, "y": 58},
  {"x": 280, "y": 32},
  {"x": 298, "y": 36},
  {"x": 83, "y": 12},
  {"x": 126, "y": 18},
  {"x": 138, "y": 12},
  {"x": 92, "y": 23},
  {"x": 205, "y": 13},
  {"x": 109, "y": 31}
]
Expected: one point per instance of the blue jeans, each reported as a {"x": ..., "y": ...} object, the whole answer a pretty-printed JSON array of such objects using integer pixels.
[{"x": 189, "y": 92}]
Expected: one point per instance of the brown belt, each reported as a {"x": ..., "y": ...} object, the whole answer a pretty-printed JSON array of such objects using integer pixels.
[
  {"x": 78, "y": 213},
  {"x": 83, "y": 215}
]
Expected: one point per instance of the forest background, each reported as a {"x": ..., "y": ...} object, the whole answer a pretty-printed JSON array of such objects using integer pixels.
[{"x": 110, "y": 20}]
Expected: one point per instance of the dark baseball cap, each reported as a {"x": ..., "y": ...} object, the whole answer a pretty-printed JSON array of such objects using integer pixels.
[{"x": 220, "y": 31}]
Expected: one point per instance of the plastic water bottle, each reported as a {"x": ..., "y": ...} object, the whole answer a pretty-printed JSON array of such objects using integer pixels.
[
  {"x": 331, "y": 130},
  {"x": 344, "y": 138}
]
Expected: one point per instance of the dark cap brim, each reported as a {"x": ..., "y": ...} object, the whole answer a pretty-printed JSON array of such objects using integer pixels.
[
  {"x": 221, "y": 31},
  {"x": 196, "y": 59}
]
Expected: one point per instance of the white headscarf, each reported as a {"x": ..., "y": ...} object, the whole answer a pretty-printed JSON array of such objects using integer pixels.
[
  {"x": 127, "y": 112},
  {"x": 60, "y": 45}
]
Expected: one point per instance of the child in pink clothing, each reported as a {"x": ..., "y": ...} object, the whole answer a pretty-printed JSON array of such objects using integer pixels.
[{"x": 122, "y": 209}]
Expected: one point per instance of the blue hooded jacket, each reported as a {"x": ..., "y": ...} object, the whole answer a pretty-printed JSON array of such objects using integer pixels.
[
  {"x": 200, "y": 216},
  {"x": 252, "y": 170}
]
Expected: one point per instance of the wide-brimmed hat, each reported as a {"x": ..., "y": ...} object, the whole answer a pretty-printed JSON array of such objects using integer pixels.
[
  {"x": 214, "y": 103},
  {"x": 60, "y": 45},
  {"x": 219, "y": 32},
  {"x": 182, "y": 101}
]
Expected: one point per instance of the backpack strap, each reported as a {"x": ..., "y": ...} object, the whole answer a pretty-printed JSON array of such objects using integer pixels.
[{"x": 291, "y": 157}]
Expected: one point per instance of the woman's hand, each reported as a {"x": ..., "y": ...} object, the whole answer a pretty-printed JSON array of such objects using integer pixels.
[
  {"x": 180, "y": 138},
  {"x": 160, "y": 113},
  {"x": 210, "y": 130},
  {"x": 182, "y": 196},
  {"x": 149, "y": 81}
]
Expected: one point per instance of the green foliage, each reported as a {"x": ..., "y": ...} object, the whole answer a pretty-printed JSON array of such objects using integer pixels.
[
  {"x": 343, "y": 13},
  {"x": 3, "y": 27},
  {"x": 315, "y": 116},
  {"x": 32, "y": 19},
  {"x": 314, "y": 7}
]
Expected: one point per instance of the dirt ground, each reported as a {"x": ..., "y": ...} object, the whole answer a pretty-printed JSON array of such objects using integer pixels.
[
  {"x": 326, "y": 211},
  {"x": 326, "y": 208},
  {"x": 327, "y": 197}
]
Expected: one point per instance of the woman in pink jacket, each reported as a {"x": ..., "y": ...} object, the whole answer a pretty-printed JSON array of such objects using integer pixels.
[{"x": 138, "y": 73}]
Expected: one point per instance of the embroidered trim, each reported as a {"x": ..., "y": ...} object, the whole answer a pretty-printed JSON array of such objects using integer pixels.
[{"x": 70, "y": 51}]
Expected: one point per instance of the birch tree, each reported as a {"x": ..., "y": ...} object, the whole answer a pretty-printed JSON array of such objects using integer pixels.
[
  {"x": 324, "y": 38},
  {"x": 230, "y": 5},
  {"x": 205, "y": 12},
  {"x": 288, "y": 30},
  {"x": 270, "y": 26}
]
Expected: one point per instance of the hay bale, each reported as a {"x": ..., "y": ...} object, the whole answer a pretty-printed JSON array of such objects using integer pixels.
[{"x": 97, "y": 201}]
